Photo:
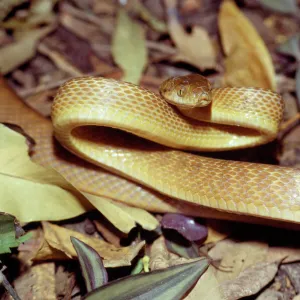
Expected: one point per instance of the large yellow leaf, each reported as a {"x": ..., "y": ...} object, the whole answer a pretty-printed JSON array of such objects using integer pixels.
[
  {"x": 248, "y": 61},
  {"x": 122, "y": 216},
  {"x": 129, "y": 47},
  {"x": 29, "y": 191}
]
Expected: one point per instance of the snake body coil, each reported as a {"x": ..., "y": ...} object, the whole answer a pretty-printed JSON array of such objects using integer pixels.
[{"x": 135, "y": 133}]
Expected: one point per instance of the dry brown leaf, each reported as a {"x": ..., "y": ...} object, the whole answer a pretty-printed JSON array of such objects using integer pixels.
[
  {"x": 82, "y": 29},
  {"x": 196, "y": 48},
  {"x": 248, "y": 61},
  {"x": 161, "y": 258},
  {"x": 217, "y": 230},
  {"x": 250, "y": 281},
  {"x": 59, "y": 60},
  {"x": 109, "y": 232},
  {"x": 57, "y": 245},
  {"x": 7, "y": 5},
  {"x": 103, "y": 7},
  {"x": 286, "y": 254},
  {"x": 65, "y": 282},
  {"x": 24, "y": 48},
  {"x": 237, "y": 257},
  {"x": 38, "y": 282},
  {"x": 159, "y": 254}
]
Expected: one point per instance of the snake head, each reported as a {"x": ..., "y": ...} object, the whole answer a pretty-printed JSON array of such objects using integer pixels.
[{"x": 187, "y": 91}]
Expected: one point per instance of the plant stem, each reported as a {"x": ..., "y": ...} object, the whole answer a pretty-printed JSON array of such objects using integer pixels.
[{"x": 8, "y": 287}]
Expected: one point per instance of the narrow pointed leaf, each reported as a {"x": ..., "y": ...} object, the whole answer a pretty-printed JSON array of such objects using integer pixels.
[
  {"x": 92, "y": 268},
  {"x": 171, "y": 283}
]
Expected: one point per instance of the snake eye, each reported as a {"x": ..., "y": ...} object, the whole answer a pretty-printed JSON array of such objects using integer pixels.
[{"x": 181, "y": 92}]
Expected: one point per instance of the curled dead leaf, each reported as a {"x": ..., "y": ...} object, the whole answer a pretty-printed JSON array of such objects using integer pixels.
[{"x": 57, "y": 245}]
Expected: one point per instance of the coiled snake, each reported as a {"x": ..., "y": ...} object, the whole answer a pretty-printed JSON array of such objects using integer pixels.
[{"x": 140, "y": 136}]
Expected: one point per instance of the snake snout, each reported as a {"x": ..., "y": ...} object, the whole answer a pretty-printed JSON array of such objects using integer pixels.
[{"x": 203, "y": 100}]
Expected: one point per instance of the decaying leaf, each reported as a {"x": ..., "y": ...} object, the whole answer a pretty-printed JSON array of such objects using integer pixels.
[
  {"x": 24, "y": 48},
  {"x": 129, "y": 48},
  {"x": 7, "y": 5},
  {"x": 11, "y": 234},
  {"x": 196, "y": 48},
  {"x": 38, "y": 282},
  {"x": 248, "y": 62},
  {"x": 57, "y": 245},
  {"x": 29, "y": 191},
  {"x": 250, "y": 281}
]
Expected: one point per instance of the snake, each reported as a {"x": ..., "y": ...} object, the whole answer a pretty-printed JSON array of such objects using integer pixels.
[{"x": 156, "y": 140}]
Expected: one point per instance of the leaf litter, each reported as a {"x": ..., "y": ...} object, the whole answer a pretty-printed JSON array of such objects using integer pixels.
[{"x": 144, "y": 42}]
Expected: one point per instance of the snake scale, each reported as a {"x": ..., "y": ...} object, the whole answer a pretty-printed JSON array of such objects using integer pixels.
[{"x": 139, "y": 136}]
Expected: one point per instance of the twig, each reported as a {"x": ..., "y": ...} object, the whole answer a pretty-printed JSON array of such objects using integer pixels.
[{"x": 7, "y": 285}]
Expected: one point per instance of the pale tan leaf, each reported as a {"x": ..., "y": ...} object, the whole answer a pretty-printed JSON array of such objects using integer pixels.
[
  {"x": 38, "y": 282},
  {"x": 237, "y": 257},
  {"x": 287, "y": 254},
  {"x": 248, "y": 61},
  {"x": 29, "y": 191},
  {"x": 250, "y": 281},
  {"x": 207, "y": 287},
  {"x": 58, "y": 245},
  {"x": 196, "y": 48},
  {"x": 23, "y": 49},
  {"x": 129, "y": 47},
  {"x": 159, "y": 254},
  {"x": 161, "y": 258}
]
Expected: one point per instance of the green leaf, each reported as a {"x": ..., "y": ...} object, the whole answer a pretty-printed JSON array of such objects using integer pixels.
[
  {"x": 92, "y": 268},
  {"x": 129, "y": 47},
  {"x": 139, "y": 267},
  {"x": 187, "y": 250},
  {"x": 281, "y": 6},
  {"x": 10, "y": 232},
  {"x": 291, "y": 47},
  {"x": 167, "y": 284}
]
